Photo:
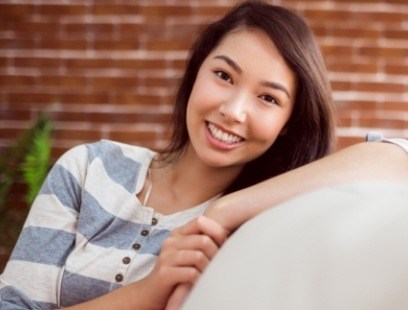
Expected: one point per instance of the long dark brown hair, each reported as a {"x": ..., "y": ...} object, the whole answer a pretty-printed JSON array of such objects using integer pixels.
[{"x": 310, "y": 129}]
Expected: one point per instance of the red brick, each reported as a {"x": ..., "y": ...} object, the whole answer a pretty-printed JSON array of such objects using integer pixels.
[
  {"x": 159, "y": 45},
  {"x": 4, "y": 61},
  {"x": 80, "y": 97},
  {"x": 380, "y": 17},
  {"x": 12, "y": 132},
  {"x": 128, "y": 30},
  {"x": 337, "y": 65},
  {"x": 353, "y": 32},
  {"x": 88, "y": 63},
  {"x": 76, "y": 134},
  {"x": 362, "y": 106},
  {"x": 30, "y": 97},
  {"x": 62, "y": 81},
  {"x": 20, "y": 43},
  {"x": 159, "y": 63},
  {"x": 16, "y": 11},
  {"x": 37, "y": 62},
  {"x": 17, "y": 80},
  {"x": 373, "y": 122},
  {"x": 84, "y": 29},
  {"x": 58, "y": 10},
  {"x": 116, "y": 9},
  {"x": 132, "y": 98},
  {"x": 398, "y": 34},
  {"x": 67, "y": 44},
  {"x": 336, "y": 50},
  {"x": 111, "y": 118},
  {"x": 113, "y": 82},
  {"x": 376, "y": 51},
  {"x": 325, "y": 16},
  {"x": 105, "y": 44},
  {"x": 132, "y": 135},
  {"x": 379, "y": 87},
  {"x": 166, "y": 11},
  {"x": 33, "y": 27},
  {"x": 214, "y": 11},
  {"x": 178, "y": 64},
  {"x": 158, "y": 82},
  {"x": 11, "y": 114},
  {"x": 391, "y": 105},
  {"x": 341, "y": 85},
  {"x": 397, "y": 68}
]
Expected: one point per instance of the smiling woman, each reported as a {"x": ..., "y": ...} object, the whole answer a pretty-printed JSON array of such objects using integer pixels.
[{"x": 118, "y": 226}]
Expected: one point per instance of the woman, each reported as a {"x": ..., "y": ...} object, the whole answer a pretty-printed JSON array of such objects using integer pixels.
[{"x": 254, "y": 103}]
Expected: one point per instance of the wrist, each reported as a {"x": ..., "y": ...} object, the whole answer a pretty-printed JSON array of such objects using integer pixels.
[{"x": 219, "y": 212}]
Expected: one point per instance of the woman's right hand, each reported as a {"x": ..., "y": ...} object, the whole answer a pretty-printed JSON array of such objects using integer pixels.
[{"x": 184, "y": 256}]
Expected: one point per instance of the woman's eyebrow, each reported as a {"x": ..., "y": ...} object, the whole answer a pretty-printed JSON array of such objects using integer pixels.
[
  {"x": 238, "y": 69},
  {"x": 230, "y": 62},
  {"x": 277, "y": 86}
]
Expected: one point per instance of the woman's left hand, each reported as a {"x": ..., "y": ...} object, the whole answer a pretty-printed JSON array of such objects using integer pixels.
[{"x": 203, "y": 226}]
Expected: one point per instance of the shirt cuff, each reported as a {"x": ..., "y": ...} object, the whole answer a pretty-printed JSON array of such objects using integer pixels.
[{"x": 377, "y": 137}]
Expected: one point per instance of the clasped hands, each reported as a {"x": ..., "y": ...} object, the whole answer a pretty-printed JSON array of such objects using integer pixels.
[{"x": 184, "y": 256}]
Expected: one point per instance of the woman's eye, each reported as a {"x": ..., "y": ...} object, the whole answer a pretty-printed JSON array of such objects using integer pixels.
[
  {"x": 269, "y": 98},
  {"x": 224, "y": 76}
]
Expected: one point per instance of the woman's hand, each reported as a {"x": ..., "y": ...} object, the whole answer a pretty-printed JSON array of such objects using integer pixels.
[{"x": 183, "y": 257}]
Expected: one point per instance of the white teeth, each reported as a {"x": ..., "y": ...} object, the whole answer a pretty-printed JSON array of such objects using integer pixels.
[{"x": 223, "y": 136}]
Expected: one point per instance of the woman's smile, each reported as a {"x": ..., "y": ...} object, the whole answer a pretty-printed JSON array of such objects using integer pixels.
[{"x": 223, "y": 136}]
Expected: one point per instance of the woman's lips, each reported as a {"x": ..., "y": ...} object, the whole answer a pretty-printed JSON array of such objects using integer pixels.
[{"x": 223, "y": 136}]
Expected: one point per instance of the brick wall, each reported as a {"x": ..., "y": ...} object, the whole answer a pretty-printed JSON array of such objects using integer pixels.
[{"x": 108, "y": 69}]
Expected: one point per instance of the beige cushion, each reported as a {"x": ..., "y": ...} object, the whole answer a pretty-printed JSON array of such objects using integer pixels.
[{"x": 343, "y": 247}]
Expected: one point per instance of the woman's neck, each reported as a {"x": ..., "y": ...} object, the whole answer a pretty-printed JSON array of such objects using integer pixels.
[{"x": 187, "y": 182}]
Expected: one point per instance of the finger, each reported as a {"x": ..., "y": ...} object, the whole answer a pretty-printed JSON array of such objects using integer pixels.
[
  {"x": 191, "y": 242},
  {"x": 179, "y": 295},
  {"x": 192, "y": 258},
  {"x": 171, "y": 276},
  {"x": 207, "y": 226},
  {"x": 183, "y": 258}
]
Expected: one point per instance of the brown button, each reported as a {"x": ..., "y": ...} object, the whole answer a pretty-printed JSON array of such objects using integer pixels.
[
  {"x": 154, "y": 221},
  {"x": 119, "y": 278},
  {"x": 144, "y": 233},
  {"x": 126, "y": 260},
  {"x": 136, "y": 246}
]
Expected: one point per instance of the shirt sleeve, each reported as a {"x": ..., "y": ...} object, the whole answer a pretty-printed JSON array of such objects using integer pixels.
[
  {"x": 31, "y": 278},
  {"x": 377, "y": 137}
]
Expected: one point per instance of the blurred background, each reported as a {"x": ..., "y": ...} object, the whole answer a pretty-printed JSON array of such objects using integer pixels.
[{"x": 108, "y": 69}]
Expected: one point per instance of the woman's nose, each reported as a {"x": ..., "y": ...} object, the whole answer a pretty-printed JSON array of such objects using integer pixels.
[{"x": 234, "y": 110}]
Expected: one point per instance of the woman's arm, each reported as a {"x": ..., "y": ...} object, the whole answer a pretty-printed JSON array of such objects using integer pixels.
[{"x": 364, "y": 161}]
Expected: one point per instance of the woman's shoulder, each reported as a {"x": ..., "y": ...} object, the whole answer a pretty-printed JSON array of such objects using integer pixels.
[
  {"x": 113, "y": 150},
  {"x": 107, "y": 151}
]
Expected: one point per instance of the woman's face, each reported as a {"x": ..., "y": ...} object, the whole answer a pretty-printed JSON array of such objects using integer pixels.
[{"x": 241, "y": 100}]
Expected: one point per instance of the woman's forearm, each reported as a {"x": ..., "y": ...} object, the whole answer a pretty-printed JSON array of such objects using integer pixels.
[
  {"x": 127, "y": 297},
  {"x": 364, "y": 161}
]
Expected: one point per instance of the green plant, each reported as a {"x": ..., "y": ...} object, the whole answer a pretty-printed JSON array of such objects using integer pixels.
[{"x": 26, "y": 161}]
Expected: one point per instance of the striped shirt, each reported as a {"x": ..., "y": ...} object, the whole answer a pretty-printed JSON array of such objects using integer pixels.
[{"x": 87, "y": 233}]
